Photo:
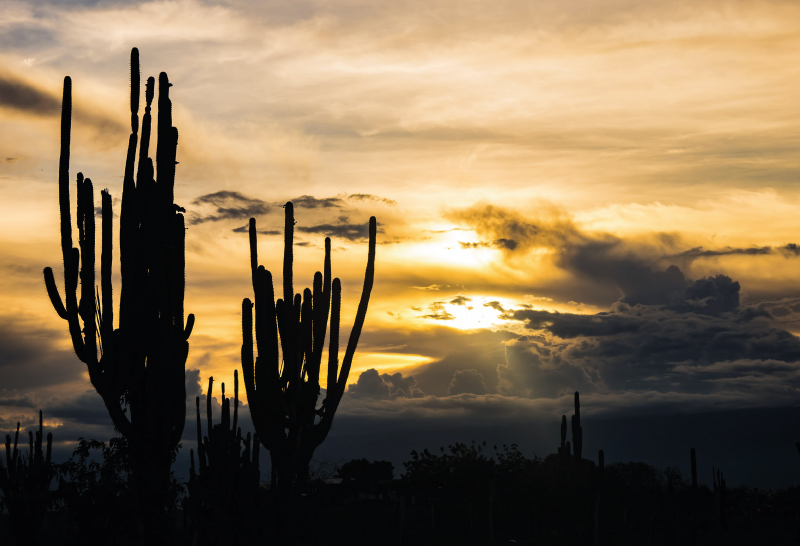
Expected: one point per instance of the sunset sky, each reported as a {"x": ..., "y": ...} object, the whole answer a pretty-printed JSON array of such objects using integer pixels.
[{"x": 592, "y": 195}]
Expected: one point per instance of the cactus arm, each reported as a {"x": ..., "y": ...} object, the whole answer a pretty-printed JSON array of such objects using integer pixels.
[
  {"x": 306, "y": 335},
  {"x": 253, "y": 233},
  {"x": 361, "y": 314},
  {"x": 107, "y": 328},
  {"x": 322, "y": 309},
  {"x": 333, "y": 344},
  {"x": 52, "y": 292},
  {"x": 208, "y": 404},
  {"x": 63, "y": 171},
  {"x": 86, "y": 307},
  {"x": 129, "y": 221},
  {"x": 235, "y": 398},
  {"x": 288, "y": 253},
  {"x": 189, "y": 326},
  {"x": 321, "y": 432},
  {"x": 179, "y": 259},
  {"x": 248, "y": 365}
]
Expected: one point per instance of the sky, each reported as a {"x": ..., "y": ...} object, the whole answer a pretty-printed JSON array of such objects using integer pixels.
[{"x": 595, "y": 195}]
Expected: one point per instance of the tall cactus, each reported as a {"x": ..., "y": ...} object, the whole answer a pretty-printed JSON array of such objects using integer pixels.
[
  {"x": 283, "y": 399},
  {"x": 140, "y": 370},
  {"x": 577, "y": 431},
  {"x": 562, "y": 449}
]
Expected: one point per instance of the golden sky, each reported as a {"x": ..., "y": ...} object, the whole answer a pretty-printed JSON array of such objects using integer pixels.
[{"x": 535, "y": 168}]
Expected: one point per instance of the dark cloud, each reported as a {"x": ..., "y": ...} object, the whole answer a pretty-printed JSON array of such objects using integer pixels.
[
  {"x": 20, "y": 95},
  {"x": 311, "y": 202},
  {"x": 404, "y": 387},
  {"x": 246, "y": 229},
  {"x": 32, "y": 355},
  {"x": 467, "y": 382},
  {"x": 479, "y": 244},
  {"x": 193, "y": 386},
  {"x": 699, "y": 252},
  {"x": 370, "y": 197},
  {"x": 790, "y": 249},
  {"x": 460, "y": 300},
  {"x": 371, "y": 384},
  {"x": 230, "y": 205},
  {"x": 533, "y": 370},
  {"x": 640, "y": 347},
  {"x": 494, "y": 305},
  {"x": 351, "y": 232},
  {"x": 24, "y": 401},
  {"x": 438, "y": 312}
]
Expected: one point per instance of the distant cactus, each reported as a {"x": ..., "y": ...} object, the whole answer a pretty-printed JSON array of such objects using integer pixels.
[
  {"x": 694, "y": 469},
  {"x": 140, "y": 371},
  {"x": 225, "y": 482},
  {"x": 283, "y": 399},
  {"x": 25, "y": 483},
  {"x": 577, "y": 431},
  {"x": 562, "y": 450}
]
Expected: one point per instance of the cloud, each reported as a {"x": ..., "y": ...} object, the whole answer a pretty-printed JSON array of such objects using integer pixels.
[
  {"x": 28, "y": 98},
  {"x": 24, "y": 401},
  {"x": 370, "y": 197},
  {"x": 438, "y": 312},
  {"x": 431, "y": 288},
  {"x": 310, "y": 202},
  {"x": 20, "y": 95},
  {"x": 32, "y": 355},
  {"x": 369, "y": 385},
  {"x": 230, "y": 205},
  {"x": 246, "y": 229},
  {"x": 404, "y": 387},
  {"x": 351, "y": 232},
  {"x": 480, "y": 244},
  {"x": 467, "y": 382},
  {"x": 790, "y": 249},
  {"x": 460, "y": 300},
  {"x": 494, "y": 305}
]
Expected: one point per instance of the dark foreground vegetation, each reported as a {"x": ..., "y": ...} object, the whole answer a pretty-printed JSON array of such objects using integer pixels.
[
  {"x": 463, "y": 494},
  {"x": 125, "y": 491}
]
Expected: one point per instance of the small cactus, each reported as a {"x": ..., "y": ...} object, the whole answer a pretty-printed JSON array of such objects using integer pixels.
[{"x": 25, "y": 482}]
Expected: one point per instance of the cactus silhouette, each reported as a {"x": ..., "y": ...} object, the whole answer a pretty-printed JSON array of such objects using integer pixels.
[
  {"x": 562, "y": 450},
  {"x": 25, "y": 483},
  {"x": 577, "y": 431},
  {"x": 283, "y": 399},
  {"x": 225, "y": 482},
  {"x": 140, "y": 372}
]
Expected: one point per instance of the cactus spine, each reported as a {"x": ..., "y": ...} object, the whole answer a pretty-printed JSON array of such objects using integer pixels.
[
  {"x": 283, "y": 399},
  {"x": 141, "y": 363}
]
